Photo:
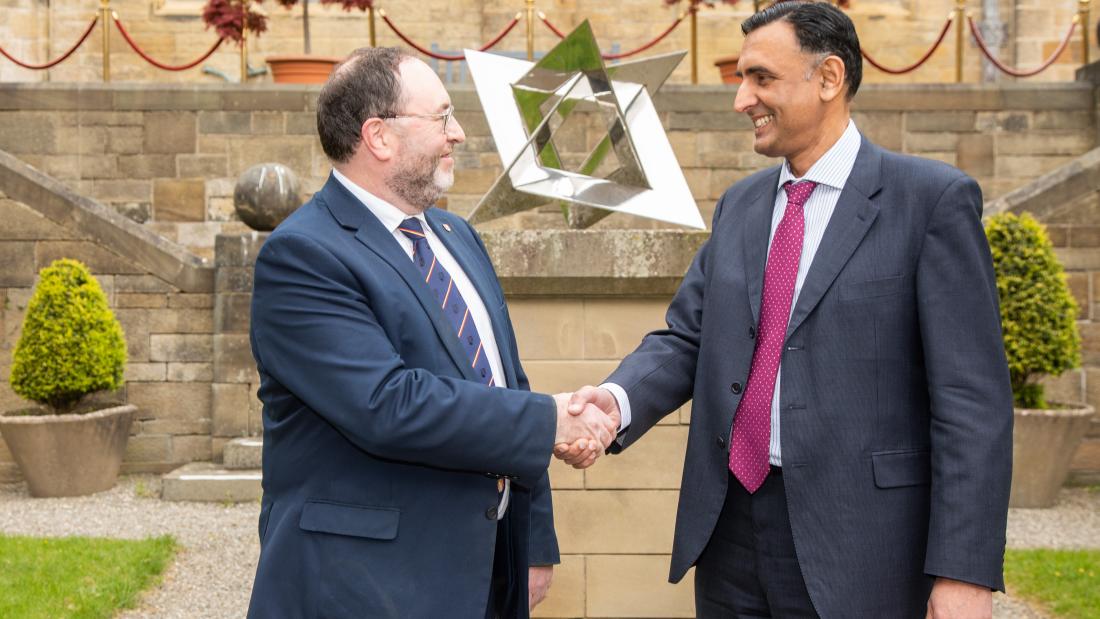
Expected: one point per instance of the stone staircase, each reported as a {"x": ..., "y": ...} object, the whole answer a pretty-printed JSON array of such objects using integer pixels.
[{"x": 237, "y": 479}]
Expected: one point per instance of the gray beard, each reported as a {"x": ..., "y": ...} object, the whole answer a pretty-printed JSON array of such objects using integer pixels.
[{"x": 415, "y": 183}]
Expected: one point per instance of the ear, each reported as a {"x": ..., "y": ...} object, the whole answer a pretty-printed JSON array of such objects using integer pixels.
[
  {"x": 832, "y": 74},
  {"x": 378, "y": 138}
]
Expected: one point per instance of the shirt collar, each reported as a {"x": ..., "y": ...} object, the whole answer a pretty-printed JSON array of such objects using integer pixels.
[
  {"x": 834, "y": 166},
  {"x": 390, "y": 216}
]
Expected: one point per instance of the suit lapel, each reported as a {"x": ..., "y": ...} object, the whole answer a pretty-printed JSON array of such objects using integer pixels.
[
  {"x": 350, "y": 213},
  {"x": 852, "y": 218},
  {"x": 467, "y": 259},
  {"x": 757, "y": 229}
]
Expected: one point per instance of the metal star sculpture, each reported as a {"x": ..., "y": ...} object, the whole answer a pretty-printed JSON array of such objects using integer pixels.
[{"x": 527, "y": 103}]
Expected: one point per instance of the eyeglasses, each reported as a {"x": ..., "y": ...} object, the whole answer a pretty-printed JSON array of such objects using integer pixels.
[{"x": 446, "y": 116}]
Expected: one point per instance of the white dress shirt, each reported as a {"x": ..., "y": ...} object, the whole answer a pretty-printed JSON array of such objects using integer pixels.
[{"x": 830, "y": 172}]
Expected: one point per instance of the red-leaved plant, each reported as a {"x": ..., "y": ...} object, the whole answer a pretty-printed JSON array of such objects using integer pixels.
[{"x": 231, "y": 17}]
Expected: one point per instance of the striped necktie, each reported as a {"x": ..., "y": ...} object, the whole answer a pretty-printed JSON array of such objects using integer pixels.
[{"x": 450, "y": 300}]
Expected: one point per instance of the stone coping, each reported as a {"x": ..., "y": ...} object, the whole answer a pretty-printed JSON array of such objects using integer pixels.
[
  {"x": 1072, "y": 409},
  {"x": 123, "y": 236},
  {"x": 1052, "y": 190},
  {"x": 39, "y": 96},
  {"x": 557, "y": 262}
]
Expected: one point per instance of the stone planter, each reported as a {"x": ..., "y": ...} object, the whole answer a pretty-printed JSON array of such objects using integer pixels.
[
  {"x": 1043, "y": 444},
  {"x": 301, "y": 69},
  {"x": 69, "y": 455}
]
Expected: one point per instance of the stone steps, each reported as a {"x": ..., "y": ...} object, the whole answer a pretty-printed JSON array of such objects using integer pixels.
[
  {"x": 207, "y": 482},
  {"x": 243, "y": 453}
]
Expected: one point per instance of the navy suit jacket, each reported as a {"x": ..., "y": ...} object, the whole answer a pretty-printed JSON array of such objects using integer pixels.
[
  {"x": 380, "y": 445},
  {"x": 895, "y": 405}
]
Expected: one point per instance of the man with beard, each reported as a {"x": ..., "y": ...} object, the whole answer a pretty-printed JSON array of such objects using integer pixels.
[
  {"x": 851, "y": 433},
  {"x": 404, "y": 464}
]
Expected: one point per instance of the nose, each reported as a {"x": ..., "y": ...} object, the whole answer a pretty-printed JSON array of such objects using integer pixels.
[
  {"x": 745, "y": 98},
  {"x": 454, "y": 131}
]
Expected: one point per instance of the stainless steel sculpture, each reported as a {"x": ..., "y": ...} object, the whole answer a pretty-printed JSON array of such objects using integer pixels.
[{"x": 527, "y": 103}]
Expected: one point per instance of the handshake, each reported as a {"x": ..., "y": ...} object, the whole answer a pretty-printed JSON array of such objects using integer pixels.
[{"x": 588, "y": 420}]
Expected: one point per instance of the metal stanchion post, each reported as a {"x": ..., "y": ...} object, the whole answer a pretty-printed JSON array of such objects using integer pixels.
[
  {"x": 373, "y": 40},
  {"x": 960, "y": 39},
  {"x": 1083, "y": 21},
  {"x": 530, "y": 29},
  {"x": 105, "y": 28},
  {"x": 694, "y": 45}
]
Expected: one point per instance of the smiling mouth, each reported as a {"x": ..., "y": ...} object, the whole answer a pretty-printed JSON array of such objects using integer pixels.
[{"x": 763, "y": 121}]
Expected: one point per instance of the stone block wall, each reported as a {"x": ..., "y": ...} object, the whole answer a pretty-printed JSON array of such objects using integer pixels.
[
  {"x": 169, "y": 337},
  {"x": 895, "y": 32},
  {"x": 169, "y": 155}
]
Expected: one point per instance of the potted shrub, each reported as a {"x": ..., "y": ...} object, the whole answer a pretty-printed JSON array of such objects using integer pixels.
[
  {"x": 1039, "y": 321},
  {"x": 229, "y": 17},
  {"x": 71, "y": 348}
]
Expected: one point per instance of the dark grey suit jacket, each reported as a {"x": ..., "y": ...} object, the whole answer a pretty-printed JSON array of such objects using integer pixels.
[{"x": 896, "y": 409}]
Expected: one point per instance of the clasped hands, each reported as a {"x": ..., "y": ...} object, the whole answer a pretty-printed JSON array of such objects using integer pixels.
[{"x": 588, "y": 420}]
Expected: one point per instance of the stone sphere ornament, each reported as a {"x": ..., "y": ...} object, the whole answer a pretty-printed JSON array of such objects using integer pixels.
[{"x": 265, "y": 195}]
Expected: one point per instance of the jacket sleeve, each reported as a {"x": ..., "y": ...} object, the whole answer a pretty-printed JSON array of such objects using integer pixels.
[
  {"x": 969, "y": 392},
  {"x": 315, "y": 333},
  {"x": 659, "y": 376}
]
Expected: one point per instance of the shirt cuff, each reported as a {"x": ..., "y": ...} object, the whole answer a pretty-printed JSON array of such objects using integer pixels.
[{"x": 624, "y": 404}]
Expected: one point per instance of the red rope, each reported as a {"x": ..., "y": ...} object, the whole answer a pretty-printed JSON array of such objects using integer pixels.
[
  {"x": 60, "y": 58},
  {"x": 632, "y": 52},
  {"x": 647, "y": 45},
  {"x": 159, "y": 65},
  {"x": 503, "y": 33},
  {"x": 915, "y": 65},
  {"x": 1016, "y": 72}
]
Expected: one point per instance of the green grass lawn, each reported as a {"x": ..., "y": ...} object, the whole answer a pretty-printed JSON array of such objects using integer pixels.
[
  {"x": 77, "y": 577},
  {"x": 1066, "y": 582}
]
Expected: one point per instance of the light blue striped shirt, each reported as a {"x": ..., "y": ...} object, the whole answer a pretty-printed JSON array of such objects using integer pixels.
[{"x": 830, "y": 172}]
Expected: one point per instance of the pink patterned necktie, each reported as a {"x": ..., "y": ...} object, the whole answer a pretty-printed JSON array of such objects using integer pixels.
[{"x": 752, "y": 423}]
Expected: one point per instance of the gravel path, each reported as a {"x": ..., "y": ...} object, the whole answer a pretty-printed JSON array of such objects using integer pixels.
[{"x": 213, "y": 572}]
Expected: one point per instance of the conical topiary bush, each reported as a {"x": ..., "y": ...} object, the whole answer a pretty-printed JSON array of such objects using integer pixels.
[
  {"x": 71, "y": 344},
  {"x": 1038, "y": 313}
]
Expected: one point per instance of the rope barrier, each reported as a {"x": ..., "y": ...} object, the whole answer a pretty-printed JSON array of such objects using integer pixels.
[
  {"x": 160, "y": 65},
  {"x": 492, "y": 43},
  {"x": 915, "y": 65},
  {"x": 545, "y": 20},
  {"x": 1016, "y": 72},
  {"x": 59, "y": 59}
]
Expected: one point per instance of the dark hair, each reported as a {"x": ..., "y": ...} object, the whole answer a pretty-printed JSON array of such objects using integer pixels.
[
  {"x": 821, "y": 28},
  {"x": 363, "y": 86}
]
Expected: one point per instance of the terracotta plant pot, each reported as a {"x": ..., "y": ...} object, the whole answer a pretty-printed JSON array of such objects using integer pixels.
[
  {"x": 1043, "y": 444},
  {"x": 69, "y": 455},
  {"x": 727, "y": 68},
  {"x": 291, "y": 69}
]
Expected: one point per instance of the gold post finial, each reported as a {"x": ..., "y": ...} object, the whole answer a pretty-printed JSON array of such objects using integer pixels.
[
  {"x": 105, "y": 28},
  {"x": 960, "y": 38},
  {"x": 1083, "y": 22},
  {"x": 530, "y": 29},
  {"x": 373, "y": 39},
  {"x": 694, "y": 47}
]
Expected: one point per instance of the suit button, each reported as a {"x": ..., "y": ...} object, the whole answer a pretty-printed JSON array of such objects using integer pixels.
[
  {"x": 721, "y": 440},
  {"x": 735, "y": 388},
  {"x": 752, "y": 333},
  {"x": 491, "y": 513}
]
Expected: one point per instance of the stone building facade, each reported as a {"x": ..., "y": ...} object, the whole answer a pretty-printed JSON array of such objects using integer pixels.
[
  {"x": 894, "y": 32},
  {"x": 83, "y": 164}
]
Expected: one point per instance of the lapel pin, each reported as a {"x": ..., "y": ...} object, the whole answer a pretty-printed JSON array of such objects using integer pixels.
[{"x": 447, "y": 227}]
